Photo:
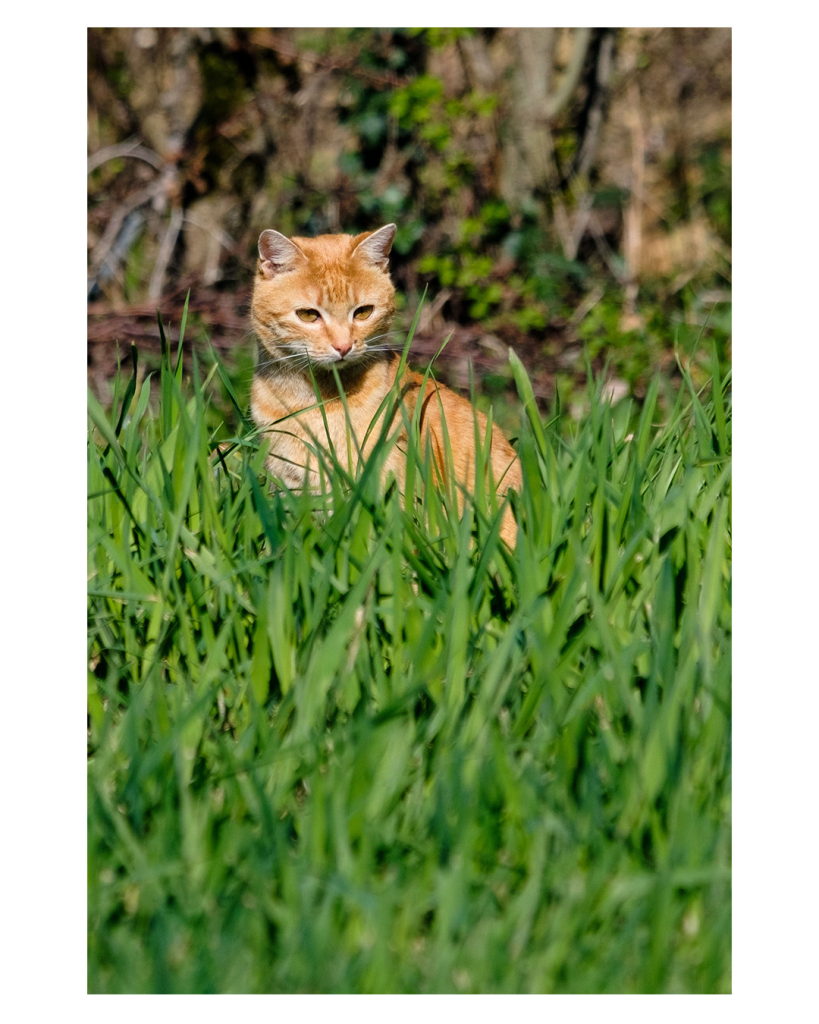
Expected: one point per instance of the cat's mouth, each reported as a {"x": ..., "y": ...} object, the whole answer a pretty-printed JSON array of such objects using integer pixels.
[
  {"x": 344, "y": 358},
  {"x": 299, "y": 358}
]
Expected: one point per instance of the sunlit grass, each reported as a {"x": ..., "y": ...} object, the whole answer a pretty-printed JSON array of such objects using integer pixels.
[{"x": 349, "y": 743}]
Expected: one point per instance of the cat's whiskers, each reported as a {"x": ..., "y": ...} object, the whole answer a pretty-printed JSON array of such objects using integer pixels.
[
  {"x": 297, "y": 361},
  {"x": 377, "y": 350},
  {"x": 385, "y": 334},
  {"x": 301, "y": 359},
  {"x": 279, "y": 359}
]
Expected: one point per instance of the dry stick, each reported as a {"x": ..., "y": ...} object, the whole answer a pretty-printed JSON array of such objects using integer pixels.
[
  {"x": 594, "y": 122},
  {"x": 392, "y": 164},
  {"x": 219, "y": 234},
  {"x": 605, "y": 251},
  {"x": 571, "y": 230},
  {"x": 219, "y": 239},
  {"x": 431, "y": 311},
  {"x": 682, "y": 279},
  {"x": 563, "y": 225},
  {"x": 584, "y": 211},
  {"x": 532, "y": 77},
  {"x": 466, "y": 65},
  {"x": 165, "y": 252},
  {"x": 570, "y": 234},
  {"x": 564, "y": 228},
  {"x": 586, "y": 306},
  {"x": 574, "y": 232},
  {"x": 385, "y": 79},
  {"x": 476, "y": 63},
  {"x": 632, "y": 243},
  {"x": 714, "y": 243},
  {"x": 110, "y": 266},
  {"x": 132, "y": 148},
  {"x": 571, "y": 76},
  {"x": 103, "y": 247},
  {"x": 536, "y": 50},
  {"x": 648, "y": 202}
]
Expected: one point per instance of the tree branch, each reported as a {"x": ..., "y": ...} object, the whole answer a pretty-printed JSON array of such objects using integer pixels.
[
  {"x": 165, "y": 252},
  {"x": 571, "y": 76},
  {"x": 132, "y": 148}
]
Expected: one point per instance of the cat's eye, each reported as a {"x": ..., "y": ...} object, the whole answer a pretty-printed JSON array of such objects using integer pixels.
[
  {"x": 308, "y": 315},
  {"x": 363, "y": 313}
]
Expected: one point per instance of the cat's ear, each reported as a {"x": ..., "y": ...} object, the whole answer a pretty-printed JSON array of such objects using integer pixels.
[
  {"x": 376, "y": 247},
  {"x": 277, "y": 253}
]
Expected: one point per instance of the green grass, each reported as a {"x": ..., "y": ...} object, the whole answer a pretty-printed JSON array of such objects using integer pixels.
[{"x": 351, "y": 744}]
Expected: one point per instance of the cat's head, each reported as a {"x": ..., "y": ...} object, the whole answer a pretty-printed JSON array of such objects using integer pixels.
[{"x": 322, "y": 300}]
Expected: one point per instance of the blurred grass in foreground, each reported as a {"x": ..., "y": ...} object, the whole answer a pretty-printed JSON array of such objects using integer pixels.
[{"x": 349, "y": 744}]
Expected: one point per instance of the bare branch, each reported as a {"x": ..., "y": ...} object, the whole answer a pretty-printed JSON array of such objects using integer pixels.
[
  {"x": 572, "y": 231},
  {"x": 588, "y": 146},
  {"x": 604, "y": 249},
  {"x": 382, "y": 78},
  {"x": 586, "y": 306},
  {"x": 219, "y": 234},
  {"x": 111, "y": 265},
  {"x": 428, "y": 313},
  {"x": 571, "y": 76},
  {"x": 477, "y": 65},
  {"x": 633, "y": 220},
  {"x": 132, "y": 148},
  {"x": 218, "y": 239},
  {"x": 103, "y": 247},
  {"x": 165, "y": 252}
]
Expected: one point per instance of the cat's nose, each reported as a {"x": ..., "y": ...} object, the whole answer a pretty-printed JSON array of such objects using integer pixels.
[{"x": 342, "y": 345}]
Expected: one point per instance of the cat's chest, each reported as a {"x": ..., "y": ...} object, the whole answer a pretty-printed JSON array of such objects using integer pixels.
[{"x": 293, "y": 410}]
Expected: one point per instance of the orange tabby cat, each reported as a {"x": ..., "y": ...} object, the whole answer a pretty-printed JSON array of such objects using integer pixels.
[{"x": 327, "y": 302}]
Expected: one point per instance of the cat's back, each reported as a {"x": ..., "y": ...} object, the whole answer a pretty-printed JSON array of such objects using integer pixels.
[{"x": 454, "y": 427}]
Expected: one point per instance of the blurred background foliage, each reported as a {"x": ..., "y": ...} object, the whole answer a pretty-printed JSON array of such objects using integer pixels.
[{"x": 554, "y": 189}]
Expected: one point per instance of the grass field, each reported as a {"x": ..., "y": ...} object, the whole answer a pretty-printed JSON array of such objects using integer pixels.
[{"x": 349, "y": 743}]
